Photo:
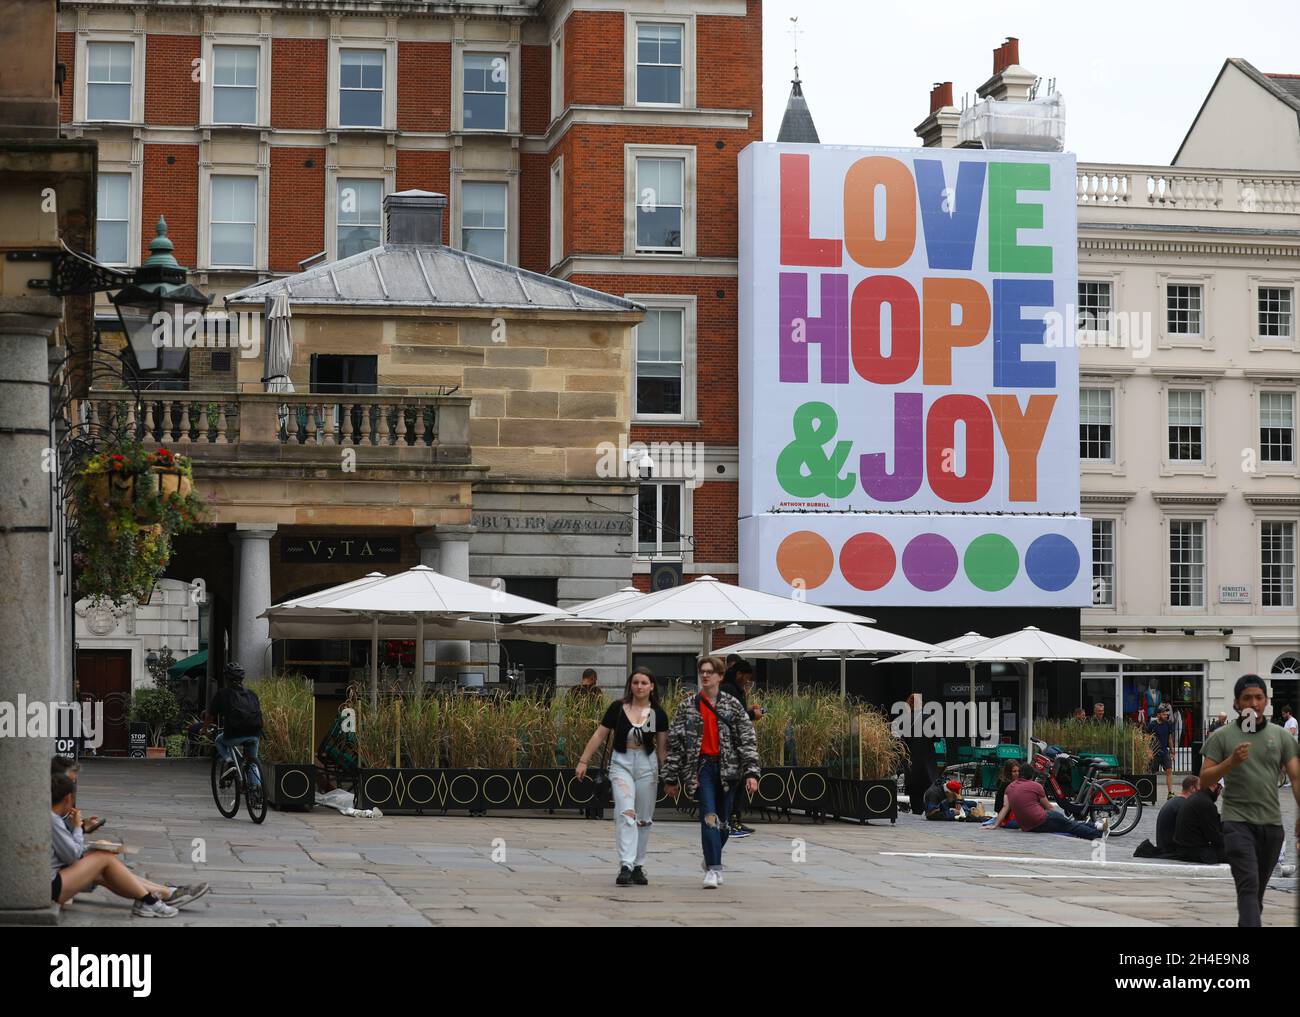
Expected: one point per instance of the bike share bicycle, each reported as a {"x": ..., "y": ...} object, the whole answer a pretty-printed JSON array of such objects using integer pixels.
[{"x": 1098, "y": 797}]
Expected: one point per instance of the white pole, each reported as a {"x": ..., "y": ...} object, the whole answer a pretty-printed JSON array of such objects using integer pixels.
[
  {"x": 706, "y": 639},
  {"x": 419, "y": 651},
  {"x": 627, "y": 640},
  {"x": 1029, "y": 717},
  {"x": 374, "y": 662},
  {"x": 970, "y": 719},
  {"x": 794, "y": 664},
  {"x": 843, "y": 684}
]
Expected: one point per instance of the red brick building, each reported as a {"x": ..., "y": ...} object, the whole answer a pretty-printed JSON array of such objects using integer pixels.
[{"x": 592, "y": 140}]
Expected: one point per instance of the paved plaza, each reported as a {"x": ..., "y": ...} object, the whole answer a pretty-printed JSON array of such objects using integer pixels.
[{"x": 322, "y": 868}]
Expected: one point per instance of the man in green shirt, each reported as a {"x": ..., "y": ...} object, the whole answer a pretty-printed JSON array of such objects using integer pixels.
[{"x": 1248, "y": 754}]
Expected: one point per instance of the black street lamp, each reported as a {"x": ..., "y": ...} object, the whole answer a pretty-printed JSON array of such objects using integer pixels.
[{"x": 158, "y": 289}]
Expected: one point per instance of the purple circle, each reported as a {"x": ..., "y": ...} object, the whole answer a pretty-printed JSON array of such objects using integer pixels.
[{"x": 929, "y": 562}]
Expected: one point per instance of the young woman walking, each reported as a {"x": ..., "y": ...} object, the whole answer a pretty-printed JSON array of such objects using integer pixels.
[
  {"x": 640, "y": 728},
  {"x": 711, "y": 749}
]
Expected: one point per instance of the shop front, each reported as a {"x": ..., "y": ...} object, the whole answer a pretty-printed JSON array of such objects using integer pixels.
[{"x": 1135, "y": 691}]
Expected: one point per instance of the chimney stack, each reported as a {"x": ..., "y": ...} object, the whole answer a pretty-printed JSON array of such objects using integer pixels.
[
  {"x": 939, "y": 129},
  {"x": 414, "y": 217},
  {"x": 1006, "y": 55},
  {"x": 1010, "y": 81}
]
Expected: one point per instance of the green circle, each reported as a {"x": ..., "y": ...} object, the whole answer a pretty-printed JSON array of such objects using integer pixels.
[{"x": 991, "y": 562}]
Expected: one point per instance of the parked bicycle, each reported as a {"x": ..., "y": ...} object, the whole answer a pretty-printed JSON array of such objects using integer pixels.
[
  {"x": 240, "y": 775},
  {"x": 1099, "y": 797}
]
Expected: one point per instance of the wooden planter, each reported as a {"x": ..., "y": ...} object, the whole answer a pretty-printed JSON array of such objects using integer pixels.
[
  {"x": 865, "y": 799},
  {"x": 155, "y": 752},
  {"x": 290, "y": 787}
]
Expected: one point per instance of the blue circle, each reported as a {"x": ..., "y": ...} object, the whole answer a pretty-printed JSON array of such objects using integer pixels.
[{"x": 1052, "y": 562}]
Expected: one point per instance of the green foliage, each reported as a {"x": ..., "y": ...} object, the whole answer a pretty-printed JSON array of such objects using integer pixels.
[
  {"x": 288, "y": 709},
  {"x": 1128, "y": 743},
  {"x": 157, "y": 708},
  {"x": 176, "y": 745},
  {"x": 158, "y": 670}
]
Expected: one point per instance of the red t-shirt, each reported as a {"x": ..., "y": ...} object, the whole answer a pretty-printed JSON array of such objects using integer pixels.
[
  {"x": 709, "y": 744},
  {"x": 1027, "y": 800}
]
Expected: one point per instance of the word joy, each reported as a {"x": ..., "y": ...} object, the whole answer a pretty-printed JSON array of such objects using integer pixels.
[
  {"x": 53, "y": 720},
  {"x": 944, "y": 720}
]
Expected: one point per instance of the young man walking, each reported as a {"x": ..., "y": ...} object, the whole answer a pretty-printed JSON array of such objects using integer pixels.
[
  {"x": 1162, "y": 730},
  {"x": 1247, "y": 754},
  {"x": 711, "y": 750}
]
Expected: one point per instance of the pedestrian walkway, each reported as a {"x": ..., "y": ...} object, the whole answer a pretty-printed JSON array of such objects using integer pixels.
[{"x": 321, "y": 868}]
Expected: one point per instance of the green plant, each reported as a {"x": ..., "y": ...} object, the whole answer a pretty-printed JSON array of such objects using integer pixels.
[
  {"x": 157, "y": 708},
  {"x": 576, "y": 719},
  {"x": 423, "y": 721},
  {"x": 377, "y": 730},
  {"x": 159, "y": 668},
  {"x": 176, "y": 745},
  {"x": 288, "y": 711},
  {"x": 771, "y": 727},
  {"x": 1126, "y": 742},
  {"x": 816, "y": 719}
]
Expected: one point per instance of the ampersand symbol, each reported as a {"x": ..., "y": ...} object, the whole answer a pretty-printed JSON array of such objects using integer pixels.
[{"x": 803, "y": 468}]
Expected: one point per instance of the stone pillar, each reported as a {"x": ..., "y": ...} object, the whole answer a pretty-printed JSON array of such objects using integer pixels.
[
  {"x": 25, "y": 609},
  {"x": 253, "y": 564},
  {"x": 452, "y": 560}
]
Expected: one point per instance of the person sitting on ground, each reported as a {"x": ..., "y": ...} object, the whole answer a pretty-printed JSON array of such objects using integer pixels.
[
  {"x": 1198, "y": 834},
  {"x": 943, "y": 801},
  {"x": 73, "y": 871},
  {"x": 1036, "y": 814},
  {"x": 1010, "y": 772},
  {"x": 1167, "y": 822},
  {"x": 60, "y": 765}
]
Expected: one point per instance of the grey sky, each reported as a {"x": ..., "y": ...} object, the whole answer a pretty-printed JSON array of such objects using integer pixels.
[{"x": 1132, "y": 74}]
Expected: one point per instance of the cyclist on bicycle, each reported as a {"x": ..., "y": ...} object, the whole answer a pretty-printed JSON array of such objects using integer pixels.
[{"x": 241, "y": 712}]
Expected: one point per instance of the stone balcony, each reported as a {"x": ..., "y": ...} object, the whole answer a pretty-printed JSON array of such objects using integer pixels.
[{"x": 1234, "y": 198}]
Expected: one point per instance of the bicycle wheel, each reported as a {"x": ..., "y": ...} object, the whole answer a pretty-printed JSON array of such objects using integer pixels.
[
  {"x": 254, "y": 791},
  {"x": 225, "y": 788},
  {"x": 1120, "y": 802}
]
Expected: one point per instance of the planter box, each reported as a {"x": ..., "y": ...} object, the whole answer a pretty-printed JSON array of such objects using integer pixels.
[
  {"x": 290, "y": 787},
  {"x": 793, "y": 787},
  {"x": 155, "y": 752},
  {"x": 865, "y": 799},
  {"x": 475, "y": 790}
]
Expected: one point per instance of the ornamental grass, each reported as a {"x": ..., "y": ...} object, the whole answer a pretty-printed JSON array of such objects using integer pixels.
[{"x": 288, "y": 703}]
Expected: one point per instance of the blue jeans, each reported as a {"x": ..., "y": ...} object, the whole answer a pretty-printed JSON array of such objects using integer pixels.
[
  {"x": 715, "y": 807},
  {"x": 224, "y": 745},
  {"x": 1059, "y": 822}
]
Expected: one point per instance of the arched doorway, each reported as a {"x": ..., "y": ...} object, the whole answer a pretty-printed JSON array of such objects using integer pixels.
[{"x": 1284, "y": 681}]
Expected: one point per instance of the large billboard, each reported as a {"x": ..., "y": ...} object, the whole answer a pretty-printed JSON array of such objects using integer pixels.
[{"x": 904, "y": 356}]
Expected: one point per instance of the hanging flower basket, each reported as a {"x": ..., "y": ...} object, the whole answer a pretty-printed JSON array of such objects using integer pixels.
[{"x": 130, "y": 504}]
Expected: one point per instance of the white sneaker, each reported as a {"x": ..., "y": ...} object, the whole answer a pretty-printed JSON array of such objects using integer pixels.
[
  {"x": 711, "y": 880},
  {"x": 704, "y": 867},
  {"x": 158, "y": 909},
  {"x": 1287, "y": 871}
]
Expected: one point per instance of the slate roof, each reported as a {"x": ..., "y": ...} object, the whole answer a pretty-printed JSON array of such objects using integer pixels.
[
  {"x": 410, "y": 275},
  {"x": 797, "y": 123}
]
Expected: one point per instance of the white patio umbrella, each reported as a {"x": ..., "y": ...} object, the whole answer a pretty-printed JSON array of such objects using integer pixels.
[
  {"x": 1028, "y": 646},
  {"x": 419, "y": 595},
  {"x": 278, "y": 336},
  {"x": 705, "y": 604},
  {"x": 838, "y": 639},
  {"x": 586, "y": 616},
  {"x": 946, "y": 652}
]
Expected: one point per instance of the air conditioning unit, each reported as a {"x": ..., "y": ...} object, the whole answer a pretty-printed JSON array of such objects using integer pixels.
[{"x": 1035, "y": 125}]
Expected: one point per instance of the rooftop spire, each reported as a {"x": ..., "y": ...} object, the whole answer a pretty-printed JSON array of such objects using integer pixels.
[{"x": 797, "y": 123}]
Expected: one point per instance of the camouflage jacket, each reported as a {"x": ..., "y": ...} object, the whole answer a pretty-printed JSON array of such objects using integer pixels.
[{"x": 737, "y": 744}]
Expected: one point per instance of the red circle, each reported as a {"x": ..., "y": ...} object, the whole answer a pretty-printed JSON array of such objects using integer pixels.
[{"x": 867, "y": 561}]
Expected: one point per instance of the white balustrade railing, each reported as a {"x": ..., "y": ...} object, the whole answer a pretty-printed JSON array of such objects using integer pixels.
[{"x": 1198, "y": 190}]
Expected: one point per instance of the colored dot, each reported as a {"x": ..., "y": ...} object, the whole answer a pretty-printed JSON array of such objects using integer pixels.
[
  {"x": 804, "y": 558},
  {"x": 929, "y": 562},
  {"x": 1052, "y": 562},
  {"x": 991, "y": 562},
  {"x": 867, "y": 561}
]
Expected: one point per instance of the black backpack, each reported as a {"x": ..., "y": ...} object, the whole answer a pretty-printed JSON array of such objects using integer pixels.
[{"x": 243, "y": 713}]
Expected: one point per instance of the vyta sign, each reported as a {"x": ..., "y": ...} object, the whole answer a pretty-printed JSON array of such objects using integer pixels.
[{"x": 895, "y": 376}]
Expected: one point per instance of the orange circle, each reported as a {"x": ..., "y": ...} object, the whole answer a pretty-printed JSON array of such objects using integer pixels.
[
  {"x": 867, "y": 561},
  {"x": 804, "y": 556}
]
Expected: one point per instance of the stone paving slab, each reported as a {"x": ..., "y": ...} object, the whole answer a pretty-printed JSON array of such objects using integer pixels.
[{"x": 324, "y": 869}]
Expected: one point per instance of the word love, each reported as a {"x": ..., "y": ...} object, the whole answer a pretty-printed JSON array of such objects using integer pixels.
[{"x": 949, "y": 312}]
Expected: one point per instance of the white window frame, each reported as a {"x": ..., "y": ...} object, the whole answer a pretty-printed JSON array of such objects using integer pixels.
[
  {"x": 1276, "y": 465},
  {"x": 636, "y": 55},
  {"x": 631, "y": 198},
  {"x": 687, "y": 305},
  {"x": 1110, "y": 391},
  {"x": 1187, "y": 517},
  {"x": 206, "y": 173},
  {"x": 389, "y": 48},
  {"x": 1272, "y": 282},
  {"x": 1295, "y": 553},
  {"x": 510, "y": 183},
  {"x": 1206, "y": 465},
  {"x": 514, "y": 73},
  {"x": 81, "y": 92},
  {"x": 687, "y": 22},
  {"x": 557, "y": 73},
  {"x": 206, "y": 95},
  {"x": 336, "y": 177},
  {"x": 1204, "y": 339},
  {"x": 1100, "y": 334},
  {"x": 684, "y": 500},
  {"x": 132, "y": 215},
  {"x": 490, "y": 54},
  {"x": 1113, "y": 522},
  {"x": 557, "y": 211}
]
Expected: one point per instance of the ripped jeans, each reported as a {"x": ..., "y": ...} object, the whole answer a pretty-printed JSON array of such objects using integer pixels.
[
  {"x": 715, "y": 809},
  {"x": 634, "y": 779}
]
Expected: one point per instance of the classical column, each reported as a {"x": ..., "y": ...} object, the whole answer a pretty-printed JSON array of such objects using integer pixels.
[
  {"x": 25, "y": 609},
  {"x": 446, "y": 549},
  {"x": 253, "y": 563}
]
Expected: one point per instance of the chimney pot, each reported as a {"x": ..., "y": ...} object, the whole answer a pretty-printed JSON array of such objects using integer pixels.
[
  {"x": 414, "y": 217},
  {"x": 940, "y": 95},
  {"x": 1006, "y": 55}
]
